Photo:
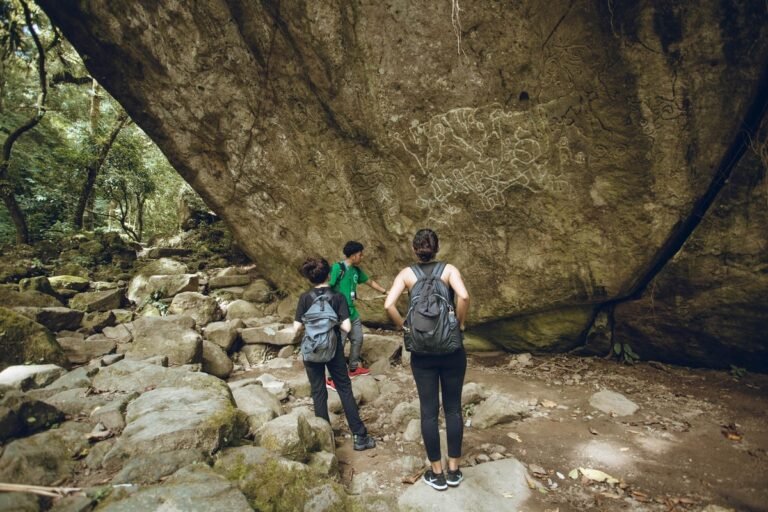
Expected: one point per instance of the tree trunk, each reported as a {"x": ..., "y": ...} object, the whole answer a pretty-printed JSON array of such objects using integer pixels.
[
  {"x": 93, "y": 171},
  {"x": 6, "y": 190}
]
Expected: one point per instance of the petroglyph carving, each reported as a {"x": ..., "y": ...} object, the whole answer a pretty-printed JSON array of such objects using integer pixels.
[{"x": 481, "y": 153}]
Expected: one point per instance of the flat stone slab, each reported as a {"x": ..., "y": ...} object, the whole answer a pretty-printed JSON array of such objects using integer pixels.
[
  {"x": 31, "y": 376},
  {"x": 611, "y": 402},
  {"x": 490, "y": 487}
]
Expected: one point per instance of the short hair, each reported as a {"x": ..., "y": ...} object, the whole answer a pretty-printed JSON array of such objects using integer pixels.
[
  {"x": 425, "y": 244},
  {"x": 315, "y": 269},
  {"x": 352, "y": 247}
]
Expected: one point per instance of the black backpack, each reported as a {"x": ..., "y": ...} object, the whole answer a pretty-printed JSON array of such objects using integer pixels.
[
  {"x": 318, "y": 345},
  {"x": 432, "y": 327}
]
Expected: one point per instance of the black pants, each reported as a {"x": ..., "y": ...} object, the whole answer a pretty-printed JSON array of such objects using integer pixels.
[
  {"x": 433, "y": 373},
  {"x": 337, "y": 367}
]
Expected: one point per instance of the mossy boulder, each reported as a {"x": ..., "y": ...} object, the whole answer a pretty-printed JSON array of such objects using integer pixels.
[
  {"x": 274, "y": 484},
  {"x": 69, "y": 282},
  {"x": 11, "y": 297},
  {"x": 550, "y": 331},
  {"x": 25, "y": 341}
]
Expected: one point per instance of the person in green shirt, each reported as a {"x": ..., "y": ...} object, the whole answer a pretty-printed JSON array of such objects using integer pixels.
[{"x": 345, "y": 276}]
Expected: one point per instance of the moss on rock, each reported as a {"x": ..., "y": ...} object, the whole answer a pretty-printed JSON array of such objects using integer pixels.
[{"x": 25, "y": 341}]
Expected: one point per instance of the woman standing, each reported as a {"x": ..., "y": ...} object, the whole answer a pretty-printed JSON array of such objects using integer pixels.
[{"x": 435, "y": 372}]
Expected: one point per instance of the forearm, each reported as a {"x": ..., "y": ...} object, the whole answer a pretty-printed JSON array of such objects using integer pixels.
[
  {"x": 461, "y": 310},
  {"x": 376, "y": 286},
  {"x": 395, "y": 316}
]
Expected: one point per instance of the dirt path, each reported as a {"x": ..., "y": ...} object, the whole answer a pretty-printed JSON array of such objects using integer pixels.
[{"x": 699, "y": 437}]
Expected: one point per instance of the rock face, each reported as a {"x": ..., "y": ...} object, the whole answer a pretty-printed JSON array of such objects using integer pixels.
[{"x": 556, "y": 148}]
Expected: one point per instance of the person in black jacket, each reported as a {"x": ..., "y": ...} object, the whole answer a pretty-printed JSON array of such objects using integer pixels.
[
  {"x": 433, "y": 372},
  {"x": 316, "y": 270}
]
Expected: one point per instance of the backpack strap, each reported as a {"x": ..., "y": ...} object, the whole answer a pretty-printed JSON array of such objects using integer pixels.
[
  {"x": 438, "y": 270},
  {"x": 417, "y": 270}
]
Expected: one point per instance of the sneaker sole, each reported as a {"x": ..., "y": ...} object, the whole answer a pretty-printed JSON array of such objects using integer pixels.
[
  {"x": 456, "y": 483},
  {"x": 435, "y": 486}
]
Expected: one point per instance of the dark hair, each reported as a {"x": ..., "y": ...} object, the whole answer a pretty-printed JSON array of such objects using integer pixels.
[
  {"x": 352, "y": 247},
  {"x": 315, "y": 269},
  {"x": 425, "y": 244}
]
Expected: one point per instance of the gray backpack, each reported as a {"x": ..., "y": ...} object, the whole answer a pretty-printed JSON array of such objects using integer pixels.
[
  {"x": 431, "y": 320},
  {"x": 318, "y": 345}
]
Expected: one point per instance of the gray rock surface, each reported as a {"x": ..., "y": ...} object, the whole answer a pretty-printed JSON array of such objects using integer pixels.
[
  {"x": 497, "y": 409},
  {"x": 202, "y": 308},
  {"x": 552, "y": 127},
  {"x": 489, "y": 487},
  {"x": 215, "y": 360},
  {"x": 31, "y": 376},
  {"x": 154, "y": 336},
  {"x": 194, "y": 488},
  {"x": 223, "y": 333},
  {"x": 192, "y": 411},
  {"x": 611, "y": 402},
  {"x": 259, "y": 404}
]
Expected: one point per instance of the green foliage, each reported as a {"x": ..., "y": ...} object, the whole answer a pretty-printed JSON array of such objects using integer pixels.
[
  {"x": 156, "y": 300},
  {"x": 738, "y": 372},
  {"x": 49, "y": 163},
  {"x": 624, "y": 353}
]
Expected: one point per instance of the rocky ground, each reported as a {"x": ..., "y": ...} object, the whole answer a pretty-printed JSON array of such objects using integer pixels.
[{"x": 178, "y": 388}]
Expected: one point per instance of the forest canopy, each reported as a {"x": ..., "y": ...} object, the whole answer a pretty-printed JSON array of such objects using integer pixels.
[{"x": 72, "y": 159}]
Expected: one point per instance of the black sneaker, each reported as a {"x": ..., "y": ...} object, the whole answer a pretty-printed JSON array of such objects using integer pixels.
[
  {"x": 454, "y": 478},
  {"x": 364, "y": 442},
  {"x": 436, "y": 481}
]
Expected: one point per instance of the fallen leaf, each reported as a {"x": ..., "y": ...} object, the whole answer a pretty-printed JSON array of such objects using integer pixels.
[
  {"x": 508, "y": 495},
  {"x": 574, "y": 474},
  {"x": 549, "y": 404},
  {"x": 515, "y": 436},
  {"x": 598, "y": 476},
  {"x": 593, "y": 431}
]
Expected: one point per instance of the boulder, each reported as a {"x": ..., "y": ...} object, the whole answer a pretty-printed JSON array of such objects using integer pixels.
[
  {"x": 150, "y": 468},
  {"x": 53, "y": 318},
  {"x": 163, "y": 267},
  {"x": 153, "y": 336},
  {"x": 365, "y": 388},
  {"x": 80, "y": 351},
  {"x": 194, "y": 488},
  {"x": 97, "y": 301},
  {"x": 290, "y": 436},
  {"x": 119, "y": 333},
  {"x": 22, "y": 415},
  {"x": 215, "y": 360},
  {"x": 497, "y": 409},
  {"x": 200, "y": 307},
  {"x": 259, "y": 404},
  {"x": 185, "y": 411},
  {"x": 377, "y": 347},
  {"x": 10, "y": 297},
  {"x": 45, "y": 458},
  {"x": 479, "y": 492},
  {"x": 66, "y": 282},
  {"x": 243, "y": 309},
  {"x": 223, "y": 333},
  {"x": 38, "y": 284},
  {"x": 569, "y": 182},
  {"x": 111, "y": 414},
  {"x": 255, "y": 353},
  {"x": 403, "y": 413},
  {"x": 128, "y": 376},
  {"x": 227, "y": 281},
  {"x": 33, "y": 376},
  {"x": 96, "y": 321},
  {"x": 258, "y": 291},
  {"x": 273, "y": 334},
  {"x": 613, "y": 403}
]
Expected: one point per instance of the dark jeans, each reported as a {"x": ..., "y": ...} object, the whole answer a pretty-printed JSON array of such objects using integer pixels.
[
  {"x": 337, "y": 367},
  {"x": 433, "y": 373}
]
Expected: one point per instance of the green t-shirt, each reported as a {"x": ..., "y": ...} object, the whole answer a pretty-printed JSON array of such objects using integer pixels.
[{"x": 347, "y": 285}]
